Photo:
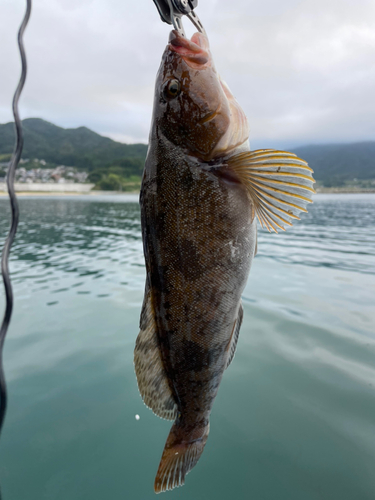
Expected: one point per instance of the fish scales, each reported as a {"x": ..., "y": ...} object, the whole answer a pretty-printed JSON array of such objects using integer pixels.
[
  {"x": 191, "y": 219},
  {"x": 201, "y": 191}
]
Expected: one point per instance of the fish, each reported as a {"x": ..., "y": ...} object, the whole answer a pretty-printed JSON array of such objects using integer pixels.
[{"x": 202, "y": 192}]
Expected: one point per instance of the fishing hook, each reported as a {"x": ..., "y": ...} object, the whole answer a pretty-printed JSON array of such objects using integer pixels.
[{"x": 171, "y": 12}]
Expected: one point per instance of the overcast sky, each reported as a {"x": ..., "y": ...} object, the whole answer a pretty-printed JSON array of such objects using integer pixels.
[{"x": 303, "y": 70}]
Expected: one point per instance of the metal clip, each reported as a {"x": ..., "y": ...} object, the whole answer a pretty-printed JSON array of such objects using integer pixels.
[{"x": 171, "y": 12}]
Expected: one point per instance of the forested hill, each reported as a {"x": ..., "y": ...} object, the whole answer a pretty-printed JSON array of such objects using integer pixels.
[
  {"x": 76, "y": 147},
  {"x": 337, "y": 164},
  {"x": 333, "y": 164}
]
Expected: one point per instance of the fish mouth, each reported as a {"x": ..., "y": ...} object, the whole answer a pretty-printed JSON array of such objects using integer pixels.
[
  {"x": 194, "y": 51},
  {"x": 210, "y": 116}
]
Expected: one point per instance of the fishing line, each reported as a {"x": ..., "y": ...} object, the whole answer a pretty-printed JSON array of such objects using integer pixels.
[{"x": 15, "y": 213}]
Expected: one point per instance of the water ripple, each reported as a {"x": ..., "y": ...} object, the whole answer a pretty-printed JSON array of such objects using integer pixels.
[{"x": 338, "y": 232}]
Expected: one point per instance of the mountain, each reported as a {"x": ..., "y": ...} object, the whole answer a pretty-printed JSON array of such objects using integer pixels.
[
  {"x": 77, "y": 147},
  {"x": 335, "y": 164}
]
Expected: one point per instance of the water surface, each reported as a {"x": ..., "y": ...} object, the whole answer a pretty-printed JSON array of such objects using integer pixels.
[{"x": 295, "y": 414}]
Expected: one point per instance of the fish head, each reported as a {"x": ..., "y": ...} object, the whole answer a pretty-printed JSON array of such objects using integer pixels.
[{"x": 193, "y": 107}]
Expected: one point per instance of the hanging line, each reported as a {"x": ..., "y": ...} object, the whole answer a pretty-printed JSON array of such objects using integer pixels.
[{"x": 15, "y": 213}]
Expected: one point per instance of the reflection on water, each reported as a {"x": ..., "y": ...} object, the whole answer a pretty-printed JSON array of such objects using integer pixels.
[
  {"x": 337, "y": 233},
  {"x": 75, "y": 239},
  {"x": 294, "y": 418}
]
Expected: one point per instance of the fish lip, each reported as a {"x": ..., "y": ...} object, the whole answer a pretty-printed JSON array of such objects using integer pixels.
[
  {"x": 177, "y": 40},
  {"x": 195, "y": 52},
  {"x": 210, "y": 116}
]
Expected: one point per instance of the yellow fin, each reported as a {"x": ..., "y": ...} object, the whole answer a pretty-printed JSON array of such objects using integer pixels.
[
  {"x": 151, "y": 377},
  {"x": 279, "y": 184}
]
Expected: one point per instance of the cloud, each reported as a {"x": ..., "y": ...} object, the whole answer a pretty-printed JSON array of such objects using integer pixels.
[{"x": 303, "y": 71}]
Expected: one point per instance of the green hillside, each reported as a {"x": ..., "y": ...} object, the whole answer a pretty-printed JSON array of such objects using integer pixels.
[
  {"x": 112, "y": 165},
  {"x": 340, "y": 164},
  {"x": 81, "y": 148},
  {"x": 76, "y": 147}
]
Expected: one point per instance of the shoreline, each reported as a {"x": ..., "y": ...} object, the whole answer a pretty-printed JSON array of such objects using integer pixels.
[
  {"x": 67, "y": 193},
  {"x": 92, "y": 192},
  {"x": 117, "y": 193}
]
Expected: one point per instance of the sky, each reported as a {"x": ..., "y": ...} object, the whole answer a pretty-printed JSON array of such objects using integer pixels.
[{"x": 303, "y": 70}]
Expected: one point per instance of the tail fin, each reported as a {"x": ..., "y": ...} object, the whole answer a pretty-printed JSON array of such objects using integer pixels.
[{"x": 179, "y": 456}]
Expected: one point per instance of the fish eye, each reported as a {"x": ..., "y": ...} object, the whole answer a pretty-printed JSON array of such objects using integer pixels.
[{"x": 172, "y": 89}]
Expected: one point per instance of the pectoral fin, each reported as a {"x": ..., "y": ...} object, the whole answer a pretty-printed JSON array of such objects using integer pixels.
[
  {"x": 151, "y": 377},
  {"x": 279, "y": 184}
]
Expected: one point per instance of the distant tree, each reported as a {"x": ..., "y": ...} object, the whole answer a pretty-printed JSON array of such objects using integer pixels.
[{"x": 110, "y": 182}]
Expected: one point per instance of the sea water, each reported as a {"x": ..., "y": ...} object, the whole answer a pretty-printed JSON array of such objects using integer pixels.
[{"x": 295, "y": 415}]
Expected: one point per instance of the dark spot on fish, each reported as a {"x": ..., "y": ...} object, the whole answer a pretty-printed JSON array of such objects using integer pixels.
[
  {"x": 187, "y": 260},
  {"x": 187, "y": 180},
  {"x": 199, "y": 357},
  {"x": 157, "y": 278}
]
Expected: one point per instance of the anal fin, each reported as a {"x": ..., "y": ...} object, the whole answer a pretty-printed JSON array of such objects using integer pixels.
[
  {"x": 151, "y": 377},
  {"x": 234, "y": 338}
]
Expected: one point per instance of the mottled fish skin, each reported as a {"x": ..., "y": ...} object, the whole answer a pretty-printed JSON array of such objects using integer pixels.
[
  {"x": 199, "y": 240},
  {"x": 199, "y": 235}
]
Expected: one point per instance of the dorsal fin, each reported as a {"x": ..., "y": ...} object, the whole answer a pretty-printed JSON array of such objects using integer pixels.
[
  {"x": 279, "y": 184},
  {"x": 235, "y": 335},
  {"x": 151, "y": 377}
]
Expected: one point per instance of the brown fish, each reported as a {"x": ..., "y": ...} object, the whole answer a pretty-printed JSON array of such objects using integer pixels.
[{"x": 201, "y": 191}]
